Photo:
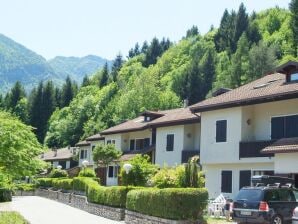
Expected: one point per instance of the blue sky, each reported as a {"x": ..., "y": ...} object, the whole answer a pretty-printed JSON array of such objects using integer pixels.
[{"x": 104, "y": 28}]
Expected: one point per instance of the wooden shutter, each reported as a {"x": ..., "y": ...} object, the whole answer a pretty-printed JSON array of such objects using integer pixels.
[
  {"x": 291, "y": 126},
  {"x": 226, "y": 181},
  {"x": 132, "y": 145},
  {"x": 170, "y": 142},
  {"x": 221, "y": 131},
  {"x": 245, "y": 178},
  {"x": 277, "y": 127},
  {"x": 146, "y": 142}
]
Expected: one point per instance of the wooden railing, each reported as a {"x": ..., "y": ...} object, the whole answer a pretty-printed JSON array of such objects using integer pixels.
[
  {"x": 186, "y": 154},
  {"x": 253, "y": 149}
]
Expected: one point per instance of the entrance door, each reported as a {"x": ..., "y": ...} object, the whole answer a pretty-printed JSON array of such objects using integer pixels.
[
  {"x": 112, "y": 176},
  {"x": 245, "y": 178}
]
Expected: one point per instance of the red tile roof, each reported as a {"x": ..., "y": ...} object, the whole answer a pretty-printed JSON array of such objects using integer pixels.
[
  {"x": 168, "y": 118},
  {"x": 266, "y": 89},
  {"x": 284, "y": 145},
  {"x": 62, "y": 154}
]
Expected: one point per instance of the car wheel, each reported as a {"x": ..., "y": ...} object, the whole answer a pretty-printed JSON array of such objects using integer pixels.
[{"x": 277, "y": 220}]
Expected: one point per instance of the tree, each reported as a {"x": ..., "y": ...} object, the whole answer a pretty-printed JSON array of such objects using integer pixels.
[
  {"x": 241, "y": 24},
  {"x": 144, "y": 47},
  {"x": 105, "y": 154},
  {"x": 117, "y": 64},
  {"x": 86, "y": 81},
  {"x": 294, "y": 22},
  {"x": 19, "y": 148},
  {"x": 16, "y": 93},
  {"x": 193, "y": 31},
  {"x": 104, "y": 76},
  {"x": 67, "y": 93}
]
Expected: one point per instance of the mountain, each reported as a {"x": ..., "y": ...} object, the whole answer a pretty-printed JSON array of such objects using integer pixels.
[
  {"x": 19, "y": 63},
  {"x": 77, "y": 67}
]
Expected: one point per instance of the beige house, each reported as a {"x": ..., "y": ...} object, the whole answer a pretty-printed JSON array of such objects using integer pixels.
[{"x": 237, "y": 125}]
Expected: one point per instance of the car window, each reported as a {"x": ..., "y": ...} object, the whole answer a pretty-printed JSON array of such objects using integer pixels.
[
  {"x": 286, "y": 195},
  {"x": 249, "y": 194},
  {"x": 296, "y": 194},
  {"x": 272, "y": 195}
]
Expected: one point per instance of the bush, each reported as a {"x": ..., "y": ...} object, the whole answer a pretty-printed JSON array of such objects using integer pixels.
[
  {"x": 112, "y": 196},
  {"x": 87, "y": 172},
  {"x": 24, "y": 187},
  {"x": 63, "y": 184},
  {"x": 141, "y": 172},
  {"x": 45, "y": 182},
  {"x": 5, "y": 194},
  {"x": 83, "y": 183},
  {"x": 169, "y": 177},
  {"x": 169, "y": 203},
  {"x": 56, "y": 173}
]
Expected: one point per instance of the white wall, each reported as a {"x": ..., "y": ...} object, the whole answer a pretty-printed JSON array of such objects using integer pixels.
[
  {"x": 117, "y": 138},
  {"x": 286, "y": 163},
  {"x": 220, "y": 152},
  {"x": 170, "y": 158},
  {"x": 213, "y": 176}
]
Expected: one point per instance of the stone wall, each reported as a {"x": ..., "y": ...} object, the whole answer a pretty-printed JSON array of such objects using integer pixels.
[
  {"x": 138, "y": 218},
  {"x": 106, "y": 211},
  {"x": 64, "y": 198},
  {"x": 24, "y": 193}
]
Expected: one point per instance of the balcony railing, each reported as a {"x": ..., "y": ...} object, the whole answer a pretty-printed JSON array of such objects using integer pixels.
[
  {"x": 186, "y": 154},
  {"x": 253, "y": 149}
]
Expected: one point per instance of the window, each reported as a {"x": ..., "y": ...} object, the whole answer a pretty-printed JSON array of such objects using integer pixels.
[
  {"x": 221, "y": 131},
  {"x": 113, "y": 171},
  {"x": 132, "y": 145},
  {"x": 139, "y": 144},
  {"x": 62, "y": 164},
  {"x": 226, "y": 181},
  {"x": 170, "y": 142},
  {"x": 146, "y": 142},
  {"x": 83, "y": 154},
  {"x": 284, "y": 127},
  {"x": 111, "y": 141},
  {"x": 294, "y": 77},
  {"x": 93, "y": 147},
  {"x": 245, "y": 178}
]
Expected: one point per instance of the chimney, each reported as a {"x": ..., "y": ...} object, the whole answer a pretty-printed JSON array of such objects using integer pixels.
[{"x": 185, "y": 103}]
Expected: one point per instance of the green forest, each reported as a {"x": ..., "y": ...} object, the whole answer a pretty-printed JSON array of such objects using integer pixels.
[{"x": 160, "y": 74}]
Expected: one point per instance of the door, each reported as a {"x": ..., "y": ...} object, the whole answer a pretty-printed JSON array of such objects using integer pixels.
[
  {"x": 245, "y": 178},
  {"x": 112, "y": 175}
]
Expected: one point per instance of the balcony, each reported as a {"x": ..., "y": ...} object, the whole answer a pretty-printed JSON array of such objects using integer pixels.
[
  {"x": 187, "y": 154},
  {"x": 253, "y": 149}
]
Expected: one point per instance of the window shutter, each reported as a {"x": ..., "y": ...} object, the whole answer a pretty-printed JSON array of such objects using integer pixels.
[
  {"x": 226, "y": 181},
  {"x": 170, "y": 142},
  {"x": 146, "y": 142},
  {"x": 277, "y": 127},
  {"x": 221, "y": 131},
  {"x": 132, "y": 145},
  {"x": 245, "y": 177},
  {"x": 291, "y": 126}
]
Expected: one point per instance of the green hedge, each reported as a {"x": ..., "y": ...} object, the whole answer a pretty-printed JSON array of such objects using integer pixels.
[
  {"x": 63, "y": 184},
  {"x": 5, "y": 194},
  {"x": 169, "y": 203},
  {"x": 82, "y": 183},
  {"x": 24, "y": 187},
  {"x": 112, "y": 196},
  {"x": 45, "y": 182}
]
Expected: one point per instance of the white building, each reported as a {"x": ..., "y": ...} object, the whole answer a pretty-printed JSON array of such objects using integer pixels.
[{"x": 238, "y": 124}]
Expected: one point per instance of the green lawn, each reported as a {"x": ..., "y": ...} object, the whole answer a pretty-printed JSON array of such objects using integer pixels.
[
  {"x": 11, "y": 218},
  {"x": 210, "y": 220}
]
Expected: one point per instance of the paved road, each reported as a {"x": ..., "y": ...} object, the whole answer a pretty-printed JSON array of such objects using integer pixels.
[{"x": 39, "y": 210}]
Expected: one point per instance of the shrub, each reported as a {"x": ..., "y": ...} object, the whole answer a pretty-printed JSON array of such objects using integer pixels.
[
  {"x": 169, "y": 203},
  {"x": 24, "y": 187},
  {"x": 83, "y": 183},
  {"x": 169, "y": 177},
  {"x": 141, "y": 172},
  {"x": 45, "y": 182},
  {"x": 112, "y": 196},
  {"x": 56, "y": 173},
  {"x": 63, "y": 184},
  {"x": 87, "y": 172},
  {"x": 5, "y": 194}
]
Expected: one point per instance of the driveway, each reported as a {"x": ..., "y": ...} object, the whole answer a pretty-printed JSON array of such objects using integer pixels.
[{"x": 39, "y": 210}]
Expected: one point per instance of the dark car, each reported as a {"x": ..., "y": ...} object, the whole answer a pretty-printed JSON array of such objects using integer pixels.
[{"x": 265, "y": 203}]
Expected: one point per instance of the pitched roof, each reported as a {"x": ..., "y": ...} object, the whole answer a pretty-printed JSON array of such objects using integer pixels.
[
  {"x": 266, "y": 89},
  {"x": 284, "y": 145},
  {"x": 62, "y": 154},
  {"x": 83, "y": 143},
  {"x": 168, "y": 118},
  {"x": 95, "y": 138}
]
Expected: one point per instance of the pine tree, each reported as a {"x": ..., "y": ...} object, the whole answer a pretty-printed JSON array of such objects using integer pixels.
[
  {"x": 117, "y": 64},
  {"x": 86, "y": 81},
  {"x": 154, "y": 51},
  {"x": 104, "y": 76},
  {"x": 193, "y": 83},
  {"x": 294, "y": 22},
  {"x": 16, "y": 93},
  {"x": 207, "y": 67},
  {"x": 136, "y": 49},
  {"x": 67, "y": 93},
  {"x": 57, "y": 97},
  {"x": 193, "y": 31},
  {"x": 1, "y": 102},
  {"x": 48, "y": 105},
  {"x": 144, "y": 47},
  {"x": 241, "y": 24}
]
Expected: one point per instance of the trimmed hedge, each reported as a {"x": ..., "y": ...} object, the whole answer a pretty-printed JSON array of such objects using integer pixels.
[
  {"x": 87, "y": 172},
  {"x": 63, "y": 184},
  {"x": 83, "y": 183},
  {"x": 169, "y": 203},
  {"x": 24, "y": 187},
  {"x": 5, "y": 195},
  {"x": 112, "y": 196},
  {"x": 45, "y": 182}
]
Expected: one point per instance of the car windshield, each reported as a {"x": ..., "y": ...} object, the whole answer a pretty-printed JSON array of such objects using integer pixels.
[
  {"x": 296, "y": 194},
  {"x": 249, "y": 194}
]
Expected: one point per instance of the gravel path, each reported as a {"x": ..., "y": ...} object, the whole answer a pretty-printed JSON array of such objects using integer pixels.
[{"x": 39, "y": 210}]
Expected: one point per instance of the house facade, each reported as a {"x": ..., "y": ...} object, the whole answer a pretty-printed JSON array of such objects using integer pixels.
[{"x": 237, "y": 125}]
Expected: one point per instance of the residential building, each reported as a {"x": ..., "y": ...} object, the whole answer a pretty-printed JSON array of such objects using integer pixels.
[
  {"x": 63, "y": 157},
  {"x": 237, "y": 125}
]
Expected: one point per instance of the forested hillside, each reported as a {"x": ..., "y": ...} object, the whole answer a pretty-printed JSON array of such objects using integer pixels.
[{"x": 160, "y": 74}]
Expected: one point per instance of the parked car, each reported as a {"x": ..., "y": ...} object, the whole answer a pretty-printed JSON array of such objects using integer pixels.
[
  {"x": 265, "y": 203},
  {"x": 295, "y": 216}
]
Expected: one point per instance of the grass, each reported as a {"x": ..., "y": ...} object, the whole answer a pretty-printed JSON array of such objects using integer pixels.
[
  {"x": 12, "y": 218},
  {"x": 210, "y": 220}
]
